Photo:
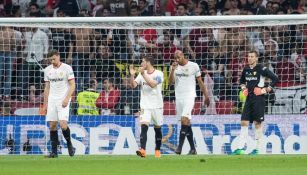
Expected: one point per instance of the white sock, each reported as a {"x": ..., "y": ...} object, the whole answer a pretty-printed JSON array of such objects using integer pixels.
[
  {"x": 258, "y": 137},
  {"x": 243, "y": 136}
]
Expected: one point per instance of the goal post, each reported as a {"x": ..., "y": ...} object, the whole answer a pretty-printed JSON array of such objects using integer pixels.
[{"x": 105, "y": 109}]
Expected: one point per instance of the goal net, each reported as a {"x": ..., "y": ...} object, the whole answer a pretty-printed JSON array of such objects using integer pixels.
[{"x": 105, "y": 109}]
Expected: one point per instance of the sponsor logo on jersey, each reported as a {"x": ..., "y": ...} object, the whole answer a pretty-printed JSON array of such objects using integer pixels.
[
  {"x": 182, "y": 75},
  {"x": 56, "y": 79},
  {"x": 251, "y": 78}
]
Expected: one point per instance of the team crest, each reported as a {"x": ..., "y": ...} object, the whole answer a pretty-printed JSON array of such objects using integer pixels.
[
  {"x": 254, "y": 73},
  {"x": 61, "y": 74},
  {"x": 142, "y": 111}
]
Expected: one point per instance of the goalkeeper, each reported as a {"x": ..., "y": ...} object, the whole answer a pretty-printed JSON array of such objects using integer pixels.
[{"x": 252, "y": 84}]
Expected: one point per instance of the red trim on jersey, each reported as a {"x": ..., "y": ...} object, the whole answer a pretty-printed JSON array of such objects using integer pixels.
[{"x": 71, "y": 79}]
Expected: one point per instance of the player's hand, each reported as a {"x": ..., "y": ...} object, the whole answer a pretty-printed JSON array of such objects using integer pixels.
[
  {"x": 131, "y": 70},
  {"x": 259, "y": 91},
  {"x": 44, "y": 109},
  {"x": 174, "y": 65},
  {"x": 207, "y": 101},
  {"x": 65, "y": 103},
  {"x": 141, "y": 69},
  {"x": 245, "y": 92}
]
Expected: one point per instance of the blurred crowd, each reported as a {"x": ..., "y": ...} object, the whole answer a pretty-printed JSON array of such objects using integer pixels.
[{"x": 98, "y": 56}]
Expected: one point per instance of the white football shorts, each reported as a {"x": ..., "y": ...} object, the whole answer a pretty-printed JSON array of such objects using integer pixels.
[
  {"x": 152, "y": 115},
  {"x": 184, "y": 107},
  {"x": 55, "y": 111}
]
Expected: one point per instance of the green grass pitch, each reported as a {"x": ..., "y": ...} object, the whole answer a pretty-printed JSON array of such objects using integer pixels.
[{"x": 167, "y": 165}]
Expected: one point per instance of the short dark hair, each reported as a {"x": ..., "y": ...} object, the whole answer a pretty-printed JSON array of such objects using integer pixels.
[
  {"x": 52, "y": 52},
  {"x": 150, "y": 59},
  {"x": 92, "y": 83},
  {"x": 254, "y": 51},
  {"x": 134, "y": 7},
  {"x": 183, "y": 5},
  {"x": 35, "y": 5}
]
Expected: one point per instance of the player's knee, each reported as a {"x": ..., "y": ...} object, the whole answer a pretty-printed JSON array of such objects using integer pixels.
[
  {"x": 63, "y": 125},
  {"x": 257, "y": 124},
  {"x": 53, "y": 126},
  {"x": 157, "y": 126},
  {"x": 185, "y": 121},
  {"x": 244, "y": 123}
]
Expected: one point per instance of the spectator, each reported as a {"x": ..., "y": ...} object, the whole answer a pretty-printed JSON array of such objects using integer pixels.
[
  {"x": 108, "y": 97},
  {"x": 51, "y": 7},
  {"x": 7, "y": 47},
  {"x": 87, "y": 100},
  {"x": 134, "y": 10},
  {"x": 35, "y": 95},
  {"x": 143, "y": 8},
  {"x": 172, "y": 5},
  {"x": 255, "y": 6},
  {"x": 217, "y": 63},
  {"x": 34, "y": 9},
  {"x": 275, "y": 7},
  {"x": 234, "y": 8},
  {"x": 84, "y": 47},
  {"x": 104, "y": 63},
  {"x": 5, "y": 108},
  {"x": 136, "y": 49},
  {"x": 167, "y": 46},
  {"x": 84, "y": 13},
  {"x": 129, "y": 99},
  {"x": 118, "y": 7},
  {"x": 198, "y": 43},
  {"x": 36, "y": 49},
  {"x": 62, "y": 41},
  {"x": 99, "y": 6},
  {"x": 70, "y": 7},
  {"x": 182, "y": 9},
  {"x": 60, "y": 13},
  {"x": 104, "y": 12}
]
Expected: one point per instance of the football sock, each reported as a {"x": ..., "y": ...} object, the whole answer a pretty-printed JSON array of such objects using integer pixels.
[
  {"x": 66, "y": 134},
  {"x": 143, "y": 137},
  {"x": 190, "y": 137},
  {"x": 243, "y": 136},
  {"x": 54, "y": 141},
  {"x": 183, "y": 131},
  {"x": 258, "y": 137},
  {"x": 158, "y": 138}
]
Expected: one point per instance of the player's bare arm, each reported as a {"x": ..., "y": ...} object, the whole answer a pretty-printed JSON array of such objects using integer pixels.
[
  {"x": 171, "y": 77},
  {"x": 132, "y": 75},
  {"x": 204, "y": 90},
  {"x": 72, "y": 87},
  {"x": 46, "y": 95},
  {"x": 152, "y": 83}
]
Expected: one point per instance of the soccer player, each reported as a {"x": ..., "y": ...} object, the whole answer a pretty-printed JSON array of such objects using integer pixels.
[
  {"x": 253, "y": 86},
  {"x": 59, "y": 87},
  {"x": 183, "y": 74},
  {"x": 151, "y": 102}
]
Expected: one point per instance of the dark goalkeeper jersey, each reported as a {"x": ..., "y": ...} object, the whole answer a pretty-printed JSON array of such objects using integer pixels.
[{"x": 255, "y": 77}]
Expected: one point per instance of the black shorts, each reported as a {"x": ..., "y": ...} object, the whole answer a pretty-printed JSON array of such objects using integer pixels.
[{"x": 254, "y": 109}]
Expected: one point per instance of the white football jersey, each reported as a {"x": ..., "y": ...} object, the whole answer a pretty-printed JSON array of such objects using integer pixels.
[
  {"x": 151, "y": 98},
  {"x": 58, "y": 78},
  {"x": 185, "y": 83}
]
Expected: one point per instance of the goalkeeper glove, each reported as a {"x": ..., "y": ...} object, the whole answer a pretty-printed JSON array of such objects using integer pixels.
[{"x": 259, "y": 91}]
